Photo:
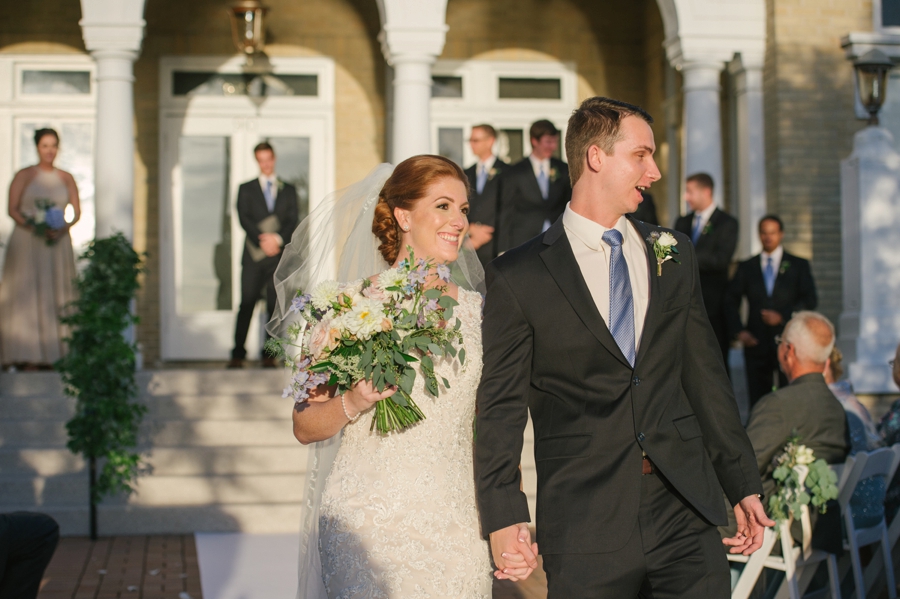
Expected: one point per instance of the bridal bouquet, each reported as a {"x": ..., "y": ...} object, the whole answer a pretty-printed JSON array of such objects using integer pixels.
[
  {"x": 800, "y": 479},
  {"x": 374, "y": 332},
  {"x": 47, "y": 217}
]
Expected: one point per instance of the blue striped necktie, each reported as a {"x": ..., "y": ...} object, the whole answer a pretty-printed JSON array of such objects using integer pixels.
[
  {"x": 769, "y": 274},
  {"x": 544, "y": 183},
  {"x": 481, "y": 179},
  {"x": 621, "y": 302}
]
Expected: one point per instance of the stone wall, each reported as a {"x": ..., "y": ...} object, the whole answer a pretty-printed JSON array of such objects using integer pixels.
[{"x": 809, "y": 128}]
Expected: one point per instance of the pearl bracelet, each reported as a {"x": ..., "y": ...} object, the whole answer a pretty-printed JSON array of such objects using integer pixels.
[{"x": 346, "y": 413}]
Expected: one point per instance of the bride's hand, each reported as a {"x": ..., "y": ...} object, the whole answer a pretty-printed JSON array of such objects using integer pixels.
[{"x": 363, "y": 396}]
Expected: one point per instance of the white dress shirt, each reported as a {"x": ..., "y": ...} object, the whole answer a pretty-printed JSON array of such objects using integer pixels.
[
  {"x": 264, "y": 180},
  {"x": 776, "y": 255},
  {"x": 537, "y": 164},
  {"x": 593, "y": 255},
  {"x": 486, "y": 165},
  {"x": 705, "y": 215}
]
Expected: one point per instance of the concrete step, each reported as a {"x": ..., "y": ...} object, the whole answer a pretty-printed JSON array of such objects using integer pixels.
[
  {"x": 39, "y": 462},
  {"x": 171, "y": 407},
  {"x": 72, "y": 489},
  {"x": 130, "y": 520},
  {"x": 158, "y": 382},
  {"x": 165, "y": 461},
  {"x": 46, "y": 434}
]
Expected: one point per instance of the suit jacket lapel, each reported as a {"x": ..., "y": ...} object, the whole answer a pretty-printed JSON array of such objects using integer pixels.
[
  {"x": 563, "y": 267},
  {"x": 651, "y": 319},
  {"x": 531, "y": 182}
]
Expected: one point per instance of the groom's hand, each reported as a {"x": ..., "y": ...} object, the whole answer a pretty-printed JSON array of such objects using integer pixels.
[
  {"x": 751, "y": 524},
  {"x": 514, "y": 554}
]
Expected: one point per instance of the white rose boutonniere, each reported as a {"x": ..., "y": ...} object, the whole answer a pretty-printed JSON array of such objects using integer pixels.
[
  {"x": 493, "y": 173},
  {"x": 554, "y": 174},
  {"x": 663, "y": 246}
]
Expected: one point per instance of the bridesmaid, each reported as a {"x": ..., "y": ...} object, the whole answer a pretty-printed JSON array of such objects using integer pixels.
[{"x": 37, "y": 275}]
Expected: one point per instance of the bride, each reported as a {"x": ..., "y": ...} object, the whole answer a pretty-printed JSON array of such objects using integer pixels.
[{"x": 391, "y": 515}]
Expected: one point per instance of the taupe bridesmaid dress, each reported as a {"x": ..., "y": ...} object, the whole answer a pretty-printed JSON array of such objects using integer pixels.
[{"x": 37, "y": 283}]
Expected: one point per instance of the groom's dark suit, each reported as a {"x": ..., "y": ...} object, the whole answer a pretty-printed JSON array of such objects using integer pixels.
[{"x": 547, "y": 349}]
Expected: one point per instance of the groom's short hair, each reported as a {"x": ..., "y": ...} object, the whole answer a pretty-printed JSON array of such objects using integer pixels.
[{"x": 596, "y": 123}]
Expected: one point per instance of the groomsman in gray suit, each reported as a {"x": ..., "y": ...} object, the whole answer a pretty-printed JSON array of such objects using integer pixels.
[{"x": 484, "y": 191}]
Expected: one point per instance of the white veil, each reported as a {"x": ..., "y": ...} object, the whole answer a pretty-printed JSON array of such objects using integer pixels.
[{"x": 336, "y": 242}]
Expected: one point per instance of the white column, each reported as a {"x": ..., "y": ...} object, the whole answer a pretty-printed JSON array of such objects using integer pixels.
[
  {"x": 113, "y": 31},
  {"x": 870, "y": 218},
  {"x": 751, "y": 154},
  {"x": 411, "y": 131},
  {"x": 412, "y": 37},
  {"x": 703, "y": 121},
  {"x": 114, "y": 168}
]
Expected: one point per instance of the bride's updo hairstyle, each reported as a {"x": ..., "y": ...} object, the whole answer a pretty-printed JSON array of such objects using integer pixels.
[{"x": 407, "y": 184}]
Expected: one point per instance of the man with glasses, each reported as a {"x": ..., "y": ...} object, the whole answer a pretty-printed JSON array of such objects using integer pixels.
[
  {"x": 806, "y": 407},
  {"x": 776, "y": 284},
  {"x": 484, "y": 191}
]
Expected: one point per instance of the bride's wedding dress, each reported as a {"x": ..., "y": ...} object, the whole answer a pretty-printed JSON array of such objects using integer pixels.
[{"x": 398, "y": 517}]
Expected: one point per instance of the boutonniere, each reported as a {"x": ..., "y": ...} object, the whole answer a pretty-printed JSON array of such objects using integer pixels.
[
  {"x": 663, "y": 246},
  {"x": 279, "y": 184},
  {"x": 707, "y": 229},
  {"x": 784, "y": 266},
  {"x": 554, "y": 174},
  {"x": 493, "y": 173}
]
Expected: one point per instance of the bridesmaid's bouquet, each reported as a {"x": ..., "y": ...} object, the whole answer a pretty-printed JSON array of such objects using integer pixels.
[
  {"x": 47, "y": 217},
  {"x": 374, "y": 331}
]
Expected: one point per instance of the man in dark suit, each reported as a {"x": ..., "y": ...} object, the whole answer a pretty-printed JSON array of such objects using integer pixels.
[
  {"x": 267, "y": 209},
  {"x": 27, "y": 543},
  {"x": 806, "y": 406},
  {"x": 484, "y": 191},
  {"x": 776, "y": 284},
  {"x": 636, "y": 428},
  {"x": 714, "y": 234},
  {"x": 533, "y": 192}
]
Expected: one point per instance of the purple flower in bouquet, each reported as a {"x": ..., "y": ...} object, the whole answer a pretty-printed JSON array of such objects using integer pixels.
[
  {"x": 55, "y": 218},
  {"x": 443, "y": 272},
  {"x": 417, "y": 277},
  {"x": 299, "y": 303}
]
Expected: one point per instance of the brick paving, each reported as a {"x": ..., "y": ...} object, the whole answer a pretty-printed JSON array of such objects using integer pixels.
[
  {"x": 164, "y": 567},
  {"x": 128, "y": 567}
]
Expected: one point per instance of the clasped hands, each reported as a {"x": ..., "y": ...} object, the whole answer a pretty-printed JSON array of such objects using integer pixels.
[
  {"x": 270, "y": 243},
  {"x": 515, "y": 556}
]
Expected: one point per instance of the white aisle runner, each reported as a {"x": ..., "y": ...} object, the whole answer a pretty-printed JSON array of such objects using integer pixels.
[{"x": 248, "y": 566}]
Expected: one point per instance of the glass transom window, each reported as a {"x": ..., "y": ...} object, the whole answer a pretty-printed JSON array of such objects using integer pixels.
[{"x": 56, "y": 82}]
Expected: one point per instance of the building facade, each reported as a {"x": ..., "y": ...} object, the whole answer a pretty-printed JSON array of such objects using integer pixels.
[{"x": 158, "y": 113}]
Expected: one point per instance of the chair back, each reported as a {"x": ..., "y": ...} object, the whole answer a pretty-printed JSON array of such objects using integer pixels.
[{"x": 880, "y": 462}]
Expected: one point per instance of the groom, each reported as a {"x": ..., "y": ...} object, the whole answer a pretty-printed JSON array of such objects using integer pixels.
[{"x": 636, "y": 428}]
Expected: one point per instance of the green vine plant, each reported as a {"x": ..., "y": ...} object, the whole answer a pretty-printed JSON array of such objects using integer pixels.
[{"x": 99, "y": 369}]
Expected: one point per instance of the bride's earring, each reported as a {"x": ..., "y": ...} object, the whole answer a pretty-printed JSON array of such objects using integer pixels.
[{"x": 406, "y": 227}]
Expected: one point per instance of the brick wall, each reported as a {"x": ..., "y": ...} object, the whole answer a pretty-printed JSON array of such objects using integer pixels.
[
  {"x": 809, "y": 128},
  {"x": 44, "y": 27},
  {"x": 344, "y": 30},
  {"x": 617, "y": 50}
]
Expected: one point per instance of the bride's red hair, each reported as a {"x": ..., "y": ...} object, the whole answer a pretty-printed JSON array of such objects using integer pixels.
[{"x": 407, "y": 184}]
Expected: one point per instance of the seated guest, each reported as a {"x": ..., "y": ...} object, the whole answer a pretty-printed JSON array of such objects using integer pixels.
[
  {"x": 889, "y": 427},
  {"x": 864, "y": 435},
  {"x": 805, "y": 406},
  {"x": 27, "y": 542}
]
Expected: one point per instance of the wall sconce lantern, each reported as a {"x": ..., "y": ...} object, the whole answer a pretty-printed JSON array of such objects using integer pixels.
[
  {"x": 871, "y": 81},
  {"x": 247, "y": 27}
]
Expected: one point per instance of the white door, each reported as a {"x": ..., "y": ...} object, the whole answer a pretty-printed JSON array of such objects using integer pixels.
[{"x": 205, "y": 159}]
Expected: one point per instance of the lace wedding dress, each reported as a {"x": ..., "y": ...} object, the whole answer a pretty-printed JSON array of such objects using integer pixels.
[{"x": 398, "y": 516}]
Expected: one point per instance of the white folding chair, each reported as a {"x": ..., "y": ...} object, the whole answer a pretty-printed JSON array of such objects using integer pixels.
[
  {"x": 793, "y": 561},
  {"x": 860, "y": 467},
  {"x": 873, "y": 570}
]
